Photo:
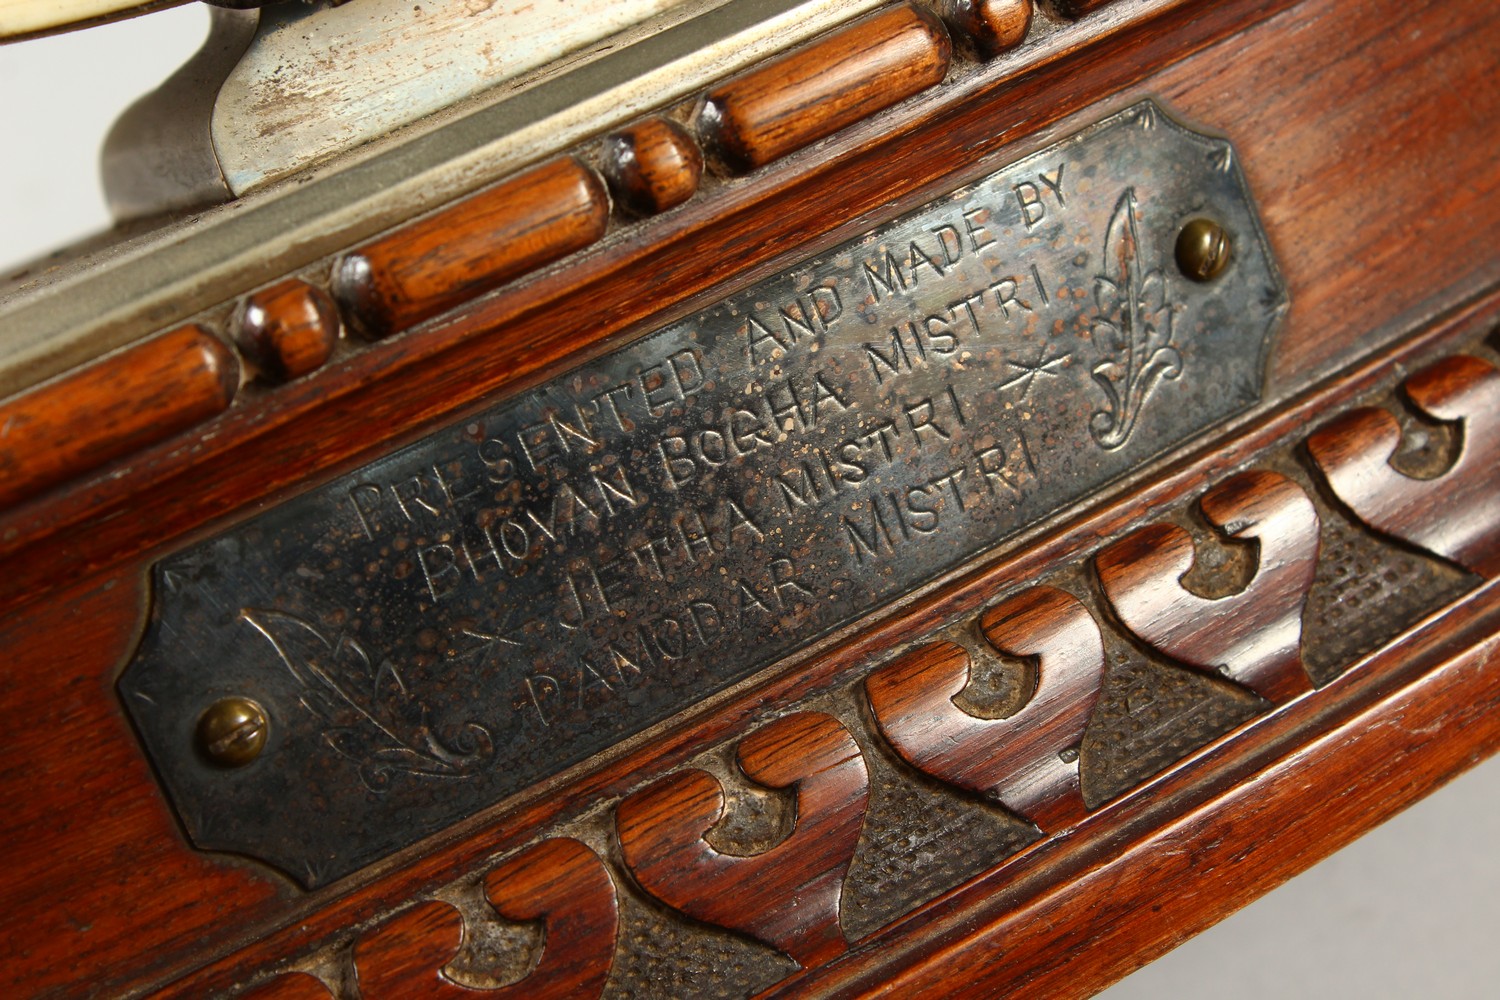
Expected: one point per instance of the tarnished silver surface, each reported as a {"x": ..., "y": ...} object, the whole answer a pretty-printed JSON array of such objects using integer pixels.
[{"x": 504, "y": 598}]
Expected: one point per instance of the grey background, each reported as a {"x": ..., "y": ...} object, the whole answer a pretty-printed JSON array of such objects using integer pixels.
[{"x": 1407, "y": 911}]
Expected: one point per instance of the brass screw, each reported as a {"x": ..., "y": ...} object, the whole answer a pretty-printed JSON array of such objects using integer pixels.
[
  {"x": 1202, "y": 250},
  {"x": 232, "y": 732}
]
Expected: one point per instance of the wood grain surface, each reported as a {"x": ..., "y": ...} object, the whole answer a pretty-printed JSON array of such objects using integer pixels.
[
  {"x": 288, "y": 329},
  {"x": 565, "y": 886},
  {"x": 652, "y": 165},
  {"x": 1454, "y": 513},
  {"x": 1028, "y": 760},
  {"x": 1254, "y": 636},
  {"x": 559, "y": 882},
  {"x": 476, "y": 244},
  {"x": 403, "y": 956},
  {"x": 991, "y": 26},
  {"x": 787, "y": 895},
  {"x": 801, "y": 97},
  {"x": 290, "y": 986},
  {"x": 127, "y": 401}
]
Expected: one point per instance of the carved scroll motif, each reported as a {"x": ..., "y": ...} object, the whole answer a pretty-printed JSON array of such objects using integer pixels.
[
  {"x": 1253, "y": 637},
  {"x": 559, "y": 882},
  {"x": 1028, "y": 760},
  {"x": 788, "y": 896},
  {"x": 1456, "y": 514},
  {"x": 405, "y": 955}
]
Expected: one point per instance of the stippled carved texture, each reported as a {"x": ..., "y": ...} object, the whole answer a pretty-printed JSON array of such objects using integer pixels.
[
  {"x": 787, "y": 895},
  {"x": 661, "y": 955},
  {"x": 877, "y": 837},
  {"x": 1367, "y": 591},
  {"x": 919, "y": 838},
  {"x": 1149, "y": 716},
  {"x": 1454, "y": 513}
]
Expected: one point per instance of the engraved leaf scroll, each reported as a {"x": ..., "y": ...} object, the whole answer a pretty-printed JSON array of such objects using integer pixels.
[
  {"x": 1133, "y": 329},
  {"x": 369, "y": 715}
]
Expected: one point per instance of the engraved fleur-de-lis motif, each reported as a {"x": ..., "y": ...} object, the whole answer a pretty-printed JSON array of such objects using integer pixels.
[
  {"x": 370, "y": 716},
  {"x": 1133, "y": 329}
]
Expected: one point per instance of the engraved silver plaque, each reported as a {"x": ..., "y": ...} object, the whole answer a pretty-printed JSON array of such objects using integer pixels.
[{"x": 506, "y": 597}]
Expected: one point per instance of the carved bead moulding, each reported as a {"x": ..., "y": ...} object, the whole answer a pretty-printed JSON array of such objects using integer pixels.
[
  {"x": 441, "y": 262},
  {"x": 482, "y": 609}
]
